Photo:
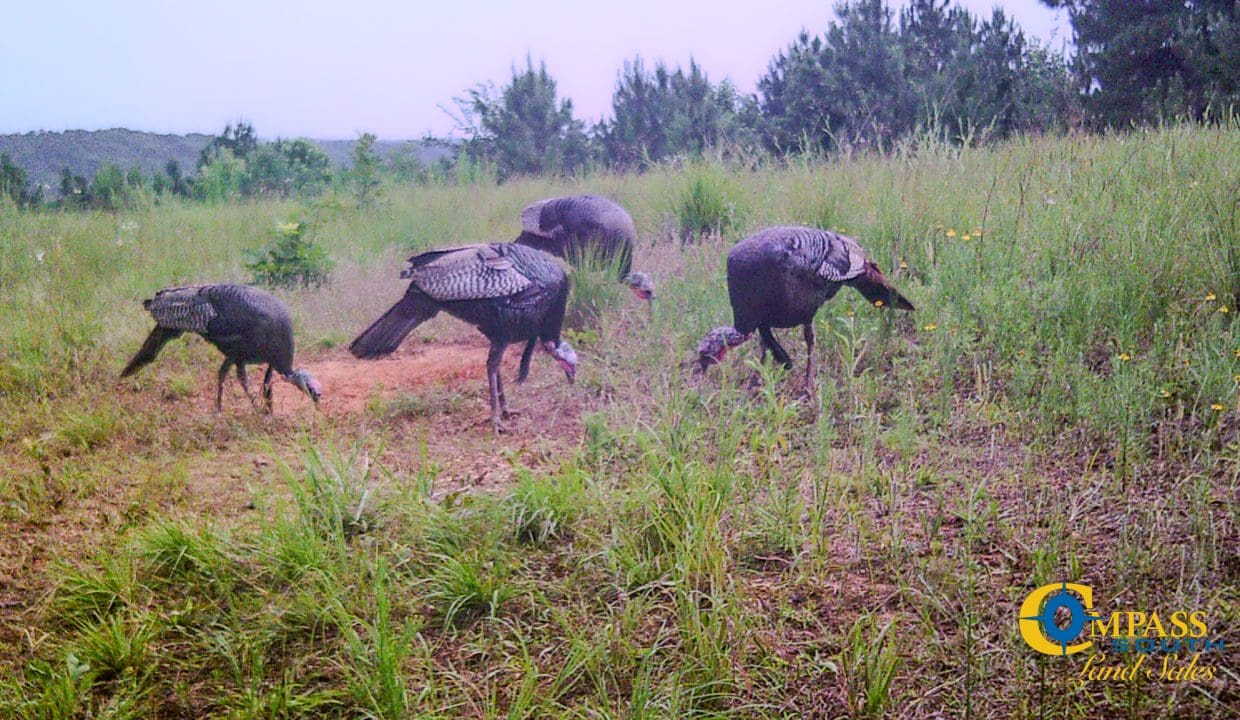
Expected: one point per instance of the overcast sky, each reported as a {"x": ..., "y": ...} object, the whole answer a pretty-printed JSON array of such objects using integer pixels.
[{"x": 334, "y": 69}]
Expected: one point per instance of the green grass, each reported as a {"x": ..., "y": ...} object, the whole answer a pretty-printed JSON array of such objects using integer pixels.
[{"x": 701, "y": 549}]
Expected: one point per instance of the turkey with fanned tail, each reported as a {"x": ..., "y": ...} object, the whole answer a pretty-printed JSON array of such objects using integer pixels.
[{"x": 511, "y": 293}]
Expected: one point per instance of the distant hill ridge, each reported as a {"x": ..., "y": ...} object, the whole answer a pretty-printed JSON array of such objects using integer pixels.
[{"x": 42, "y": 153}]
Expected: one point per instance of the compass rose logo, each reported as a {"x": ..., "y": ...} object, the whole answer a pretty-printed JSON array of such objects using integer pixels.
[{"x": 1037, "y": 618}]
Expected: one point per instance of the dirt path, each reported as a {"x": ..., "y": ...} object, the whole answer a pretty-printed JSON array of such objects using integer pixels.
[
  {"x": 431, "y": 392},
  {"x": 349, "y": 384}
]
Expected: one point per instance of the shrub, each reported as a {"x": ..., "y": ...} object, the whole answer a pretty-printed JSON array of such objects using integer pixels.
[{"x": 290, "y": 260}]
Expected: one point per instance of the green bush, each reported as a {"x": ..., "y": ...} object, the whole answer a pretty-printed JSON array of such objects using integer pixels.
[{"x": 290, "y": 260}]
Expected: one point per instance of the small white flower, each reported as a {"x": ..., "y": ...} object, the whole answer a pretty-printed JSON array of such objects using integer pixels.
[{"x": 38, "y": 257}]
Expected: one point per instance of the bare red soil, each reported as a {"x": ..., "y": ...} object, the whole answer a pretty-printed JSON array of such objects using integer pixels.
[{"x": 350, "y": 384}]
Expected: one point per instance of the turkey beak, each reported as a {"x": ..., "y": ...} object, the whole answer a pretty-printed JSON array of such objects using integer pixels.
[{"x": 309, "y": 386}]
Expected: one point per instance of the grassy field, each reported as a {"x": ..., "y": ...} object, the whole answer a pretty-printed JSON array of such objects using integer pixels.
[{"x": 1063, "y": 406}]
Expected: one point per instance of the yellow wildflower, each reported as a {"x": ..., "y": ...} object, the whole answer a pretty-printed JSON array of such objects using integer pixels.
[
  {"x": 1236, "y": 378},
  {"x": 966, "y": 236},
  {"x": 904, "y": 265},
  {"x": 1125, "y": 357},
  {"x": 1165, "y": 393},
  {"x": 1211, "y": 297},
  {"x": 1236, "y": 352},
  {"x": 1224, "y": 309},
  {"x": 849, "y": 313},
  {"x": 977, "y": 233},
  {"x": 930, "y": 327},
  {"x": 951, "y": 233},
  {"x": 879, "y": 303},
  {"x": 1217, "y": 407}
]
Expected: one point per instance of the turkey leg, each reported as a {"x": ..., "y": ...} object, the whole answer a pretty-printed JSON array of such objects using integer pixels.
[
  {"x": 493, "y": 384},
  {"x": 267, "y": 388},
  {"x": 811, "y": 374},
  {"x": 781, "y": 355},
  {"x": 219, "y": 387},
  {"x": 524, "y": 372},
  {"x": 245, "y": 384}
]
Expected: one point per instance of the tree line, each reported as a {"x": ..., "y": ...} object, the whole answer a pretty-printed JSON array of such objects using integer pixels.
[
  {"x": 874, "y": 78},
  {"x": 232, "y": 165}
]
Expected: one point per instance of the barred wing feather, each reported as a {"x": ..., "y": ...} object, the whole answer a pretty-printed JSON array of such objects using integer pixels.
[
  {"x": 473, "y": 272},
  {"x": 843, "y": 259},
  {"x": 182, "y": 308},
  {"x": 819, "y": 253}
]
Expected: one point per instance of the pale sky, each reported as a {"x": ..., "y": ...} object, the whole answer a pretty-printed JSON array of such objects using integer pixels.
[{"x": 332, "y": 70}]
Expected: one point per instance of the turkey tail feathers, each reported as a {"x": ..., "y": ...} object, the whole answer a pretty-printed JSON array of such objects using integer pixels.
[
  {"x": 386, "y": 334},
  {"x": 540, "y": 242},
  {"x": 150, "y": 349}
]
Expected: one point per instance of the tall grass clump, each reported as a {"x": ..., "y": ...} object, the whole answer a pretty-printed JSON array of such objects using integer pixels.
[
  {"x": 473, "y": 583},
  {"x": 332, "y": 495},
  {"x": 96, "y": 592},
  {"x": 545, "y": 508},
  {"x": 868, "y": 666},
  {"x": 176, "y": 552},
  {"x": 594, "y": 291},
  {"x": 470, "y": 563},
  {"x": 376, "y": 651},
  {"x": 117, "y": 646},
  {"x": 333, "y": 502},
  {"x": 708, "y": 205}
]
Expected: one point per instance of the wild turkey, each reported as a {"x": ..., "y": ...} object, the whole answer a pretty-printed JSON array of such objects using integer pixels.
[
  {"x": 779, "y": 277},
  {"x": 585, "y": 228},
  {"x": 511, "y": 293},
  {"x": 248, "y": 325}
]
